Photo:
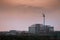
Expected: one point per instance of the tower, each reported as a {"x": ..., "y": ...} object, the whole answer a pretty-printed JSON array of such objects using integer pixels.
[{"x": 43, "y": 18}]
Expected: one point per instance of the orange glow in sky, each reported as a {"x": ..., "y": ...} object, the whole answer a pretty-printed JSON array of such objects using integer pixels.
[
  {"x": 35, "y": 3},
  {"x": 23, "y": 17}
]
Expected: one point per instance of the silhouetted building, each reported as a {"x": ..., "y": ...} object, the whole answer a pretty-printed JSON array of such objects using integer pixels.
[
  {"x": 49, "y": 28},
  {"x": 32, "y": 30},
  {"x": 40, "y": 29}
]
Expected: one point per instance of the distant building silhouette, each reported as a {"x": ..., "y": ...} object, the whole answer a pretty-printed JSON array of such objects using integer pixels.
[{"x": 40, "y": 29}]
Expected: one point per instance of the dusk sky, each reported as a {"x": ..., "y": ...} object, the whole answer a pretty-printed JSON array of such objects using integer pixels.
[{"x": 20, "y": 14}]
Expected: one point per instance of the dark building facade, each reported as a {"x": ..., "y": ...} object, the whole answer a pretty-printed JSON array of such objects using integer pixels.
[{"x": 40, "y": 29}]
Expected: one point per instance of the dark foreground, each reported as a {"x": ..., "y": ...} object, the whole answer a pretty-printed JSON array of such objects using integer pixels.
[{"x": 15, "y": 37}]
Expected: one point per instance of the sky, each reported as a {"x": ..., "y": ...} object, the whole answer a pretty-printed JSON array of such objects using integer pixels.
[{"x": 20, "y": 14}]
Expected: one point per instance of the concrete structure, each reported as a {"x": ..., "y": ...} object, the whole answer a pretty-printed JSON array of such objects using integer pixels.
[
  {"x": 40, "y": 28},
  {"x": 32, "y": 29},
  {"x": 35, "y": 28},
  {"x": 49, "y": 28}
]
